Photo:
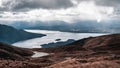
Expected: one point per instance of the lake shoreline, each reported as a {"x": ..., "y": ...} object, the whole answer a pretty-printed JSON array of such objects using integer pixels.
[{"x": 51, "y": 36}]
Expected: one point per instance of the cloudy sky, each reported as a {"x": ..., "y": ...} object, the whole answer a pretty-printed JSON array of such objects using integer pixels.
[{"x": 62, "y": 10}]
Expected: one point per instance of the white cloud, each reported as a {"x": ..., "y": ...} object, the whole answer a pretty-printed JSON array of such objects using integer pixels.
[
  {"x": 1, "y": 3},
  {"x": 84, "y": 10}
]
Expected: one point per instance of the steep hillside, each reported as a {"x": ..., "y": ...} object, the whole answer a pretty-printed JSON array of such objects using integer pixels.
[
  {"x": 104, "y": 42},
  {"x": 111, "y": 42},
  {"x": 93, "y": 52},
  {"x": 10, "y": 35},
  {"x": 13, "y": 53}
]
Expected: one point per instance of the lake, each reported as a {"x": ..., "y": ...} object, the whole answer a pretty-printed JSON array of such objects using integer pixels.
[{"x": 51, "y": 36}]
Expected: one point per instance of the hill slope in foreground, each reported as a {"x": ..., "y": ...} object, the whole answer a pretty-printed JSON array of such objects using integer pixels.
[{"x": 93, "y": 52}]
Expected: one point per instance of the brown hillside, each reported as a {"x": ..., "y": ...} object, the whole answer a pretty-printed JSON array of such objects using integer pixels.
[{"x": 12, "y": 52}]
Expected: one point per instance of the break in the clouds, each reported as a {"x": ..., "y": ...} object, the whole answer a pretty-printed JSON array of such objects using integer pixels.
[{"x": 63, "y": 10}]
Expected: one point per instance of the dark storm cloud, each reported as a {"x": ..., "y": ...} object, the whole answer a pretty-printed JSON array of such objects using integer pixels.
[
  {"x": 50, "y": 10},
  {"x": 114, "y": 3},
  {"x": 104, "y": 2},
  {"x": 36, "y": 4},
  {"x": 22, "y": 5}
]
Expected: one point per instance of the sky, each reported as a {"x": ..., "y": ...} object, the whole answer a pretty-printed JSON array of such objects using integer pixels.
[{"x": 63, "y": 10}]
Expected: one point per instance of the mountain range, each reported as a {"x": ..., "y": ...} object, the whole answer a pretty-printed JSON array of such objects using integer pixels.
[
  {"x": 80, "y": 26},
  {"x": 11, "y": 35}
]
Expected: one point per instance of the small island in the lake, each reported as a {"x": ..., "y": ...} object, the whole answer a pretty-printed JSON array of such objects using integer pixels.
[{"x": 57, "y": 39}]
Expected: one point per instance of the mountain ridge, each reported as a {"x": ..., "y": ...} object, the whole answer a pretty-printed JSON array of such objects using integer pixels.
[
  {"x": 10, "y": 35},
  {"x": 77, "y": 27}
]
